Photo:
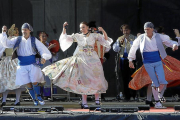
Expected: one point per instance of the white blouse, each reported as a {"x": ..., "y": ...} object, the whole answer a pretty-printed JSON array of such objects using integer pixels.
[{"x": 67, "y": 40}]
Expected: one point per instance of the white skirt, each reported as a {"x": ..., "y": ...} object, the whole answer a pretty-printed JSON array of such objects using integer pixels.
[{"x": 8, "y": 74}]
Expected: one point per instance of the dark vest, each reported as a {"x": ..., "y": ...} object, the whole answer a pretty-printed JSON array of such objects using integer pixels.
[{"x": 19, "y": 39}]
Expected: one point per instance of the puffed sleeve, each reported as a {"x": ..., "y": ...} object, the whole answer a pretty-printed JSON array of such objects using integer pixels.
[
  {"x": 106, "y": 43},
  {"x": 107, "y": 50},
  {"x": 67, "y": 40},
  {"x": 43, "y": 50}
]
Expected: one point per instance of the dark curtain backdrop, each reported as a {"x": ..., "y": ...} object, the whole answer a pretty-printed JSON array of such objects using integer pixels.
[{"x": 49, "y": 15}]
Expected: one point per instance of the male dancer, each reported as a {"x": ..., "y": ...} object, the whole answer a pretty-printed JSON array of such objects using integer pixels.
[
  {"x": 151, "y": 47},
  {"x": 26, "y": 48}
]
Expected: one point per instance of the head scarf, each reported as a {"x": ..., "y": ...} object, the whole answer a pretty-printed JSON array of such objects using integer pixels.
[
  {"x": 28, "y": 26},
  {"x": 148, "y": 25}
]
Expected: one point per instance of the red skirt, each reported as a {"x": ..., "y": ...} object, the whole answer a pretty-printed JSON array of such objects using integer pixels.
[{"x": 171, "y": 69}]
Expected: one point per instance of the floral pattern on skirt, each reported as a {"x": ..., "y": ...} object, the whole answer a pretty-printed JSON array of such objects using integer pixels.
[
  {"x": 8, "y": 74},
  {"x": 78, "y": 74},
  {"x": 172, "y": 74}
]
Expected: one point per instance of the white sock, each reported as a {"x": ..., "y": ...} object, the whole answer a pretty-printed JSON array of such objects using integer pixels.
[
  {"x": 5, "y": 95},
  {"x": 155, "y": 93},
  {"x": 162, "y": 89},
  {"x": 158, "y": 104},
  {"x": 149, "y": 93},
  {"x": 84, "y": 99},
  {"x": 18, "y": 94},
  {"x": 97, "y": 98}
]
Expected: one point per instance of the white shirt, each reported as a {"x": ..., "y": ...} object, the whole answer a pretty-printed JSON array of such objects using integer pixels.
[
  {"x": 149, "y": 45},
  {"x": 25, "y": 48}
]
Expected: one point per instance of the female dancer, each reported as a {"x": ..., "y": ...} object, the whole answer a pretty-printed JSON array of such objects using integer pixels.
[
  {"x": 83, "y": 72},
  {"x": 8, "y": 72}
]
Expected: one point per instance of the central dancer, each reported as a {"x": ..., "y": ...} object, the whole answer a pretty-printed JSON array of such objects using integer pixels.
[{"x": 83, "y": 72}]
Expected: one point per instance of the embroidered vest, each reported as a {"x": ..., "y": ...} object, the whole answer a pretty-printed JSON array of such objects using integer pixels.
[
  {"x": 131, "y": 38},
  {"x": 19, "y": 39}
]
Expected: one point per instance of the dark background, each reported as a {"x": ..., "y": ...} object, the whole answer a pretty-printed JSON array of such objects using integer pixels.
[{"x": 49, "y": 16}]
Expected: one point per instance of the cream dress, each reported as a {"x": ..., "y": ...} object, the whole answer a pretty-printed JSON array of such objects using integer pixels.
[
  {"x": 8, "y": 72},
  {"x": 83, "y": 72}
]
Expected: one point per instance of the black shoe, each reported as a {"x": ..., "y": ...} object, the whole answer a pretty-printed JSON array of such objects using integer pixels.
[
  {"x": 3, "y": 104},
  {"x": 17, "y": 104},
  {"x": 84, "y": 107},
  {"x": 150, "y": 103},
  {"x": 126, "y": 100}
]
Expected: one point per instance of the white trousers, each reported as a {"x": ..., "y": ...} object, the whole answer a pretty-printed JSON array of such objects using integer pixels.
[{"x": 28, "y": 74}]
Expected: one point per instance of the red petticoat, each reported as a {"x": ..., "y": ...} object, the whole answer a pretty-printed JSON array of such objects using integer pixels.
[{"x": 172, "y": 74}]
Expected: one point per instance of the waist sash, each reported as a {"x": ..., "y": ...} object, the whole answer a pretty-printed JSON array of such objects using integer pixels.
[
  {"x": 26, "y": 60},
  {"x": 151, "y": 57}
]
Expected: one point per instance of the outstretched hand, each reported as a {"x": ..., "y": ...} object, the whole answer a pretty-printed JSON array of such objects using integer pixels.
[
  {"x": 43, "y": 60},
  {"x": 175, "y": 48},
  {"x": 65, "y": 24}
]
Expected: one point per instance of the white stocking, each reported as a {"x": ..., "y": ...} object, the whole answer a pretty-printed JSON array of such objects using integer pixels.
[
  {"x": 84, "y": 99},
  {"x": 162, "y": 89},
  {"x": 18, "y": 94},
  {"x": 5, "y": 95},
  {"x": 149, "y": 92},
  {"x": 97, "y": 98},
  {"x": 155, "y": 93}
]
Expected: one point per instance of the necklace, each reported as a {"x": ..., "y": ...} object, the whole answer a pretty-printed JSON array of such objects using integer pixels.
[{"x": 86, "y": 34}]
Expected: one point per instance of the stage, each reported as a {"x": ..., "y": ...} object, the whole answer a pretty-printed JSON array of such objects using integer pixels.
[{"x": 73, "y": 111}]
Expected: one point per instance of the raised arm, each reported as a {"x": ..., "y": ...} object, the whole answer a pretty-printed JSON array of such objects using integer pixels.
[
  {"x": 64, "y": 27},
  {"x": 104, "y": 33},
  {"x": 103, "y": 39},
  {"x": 7, "y": 43},
  {"x": 65, "y": 40}
]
